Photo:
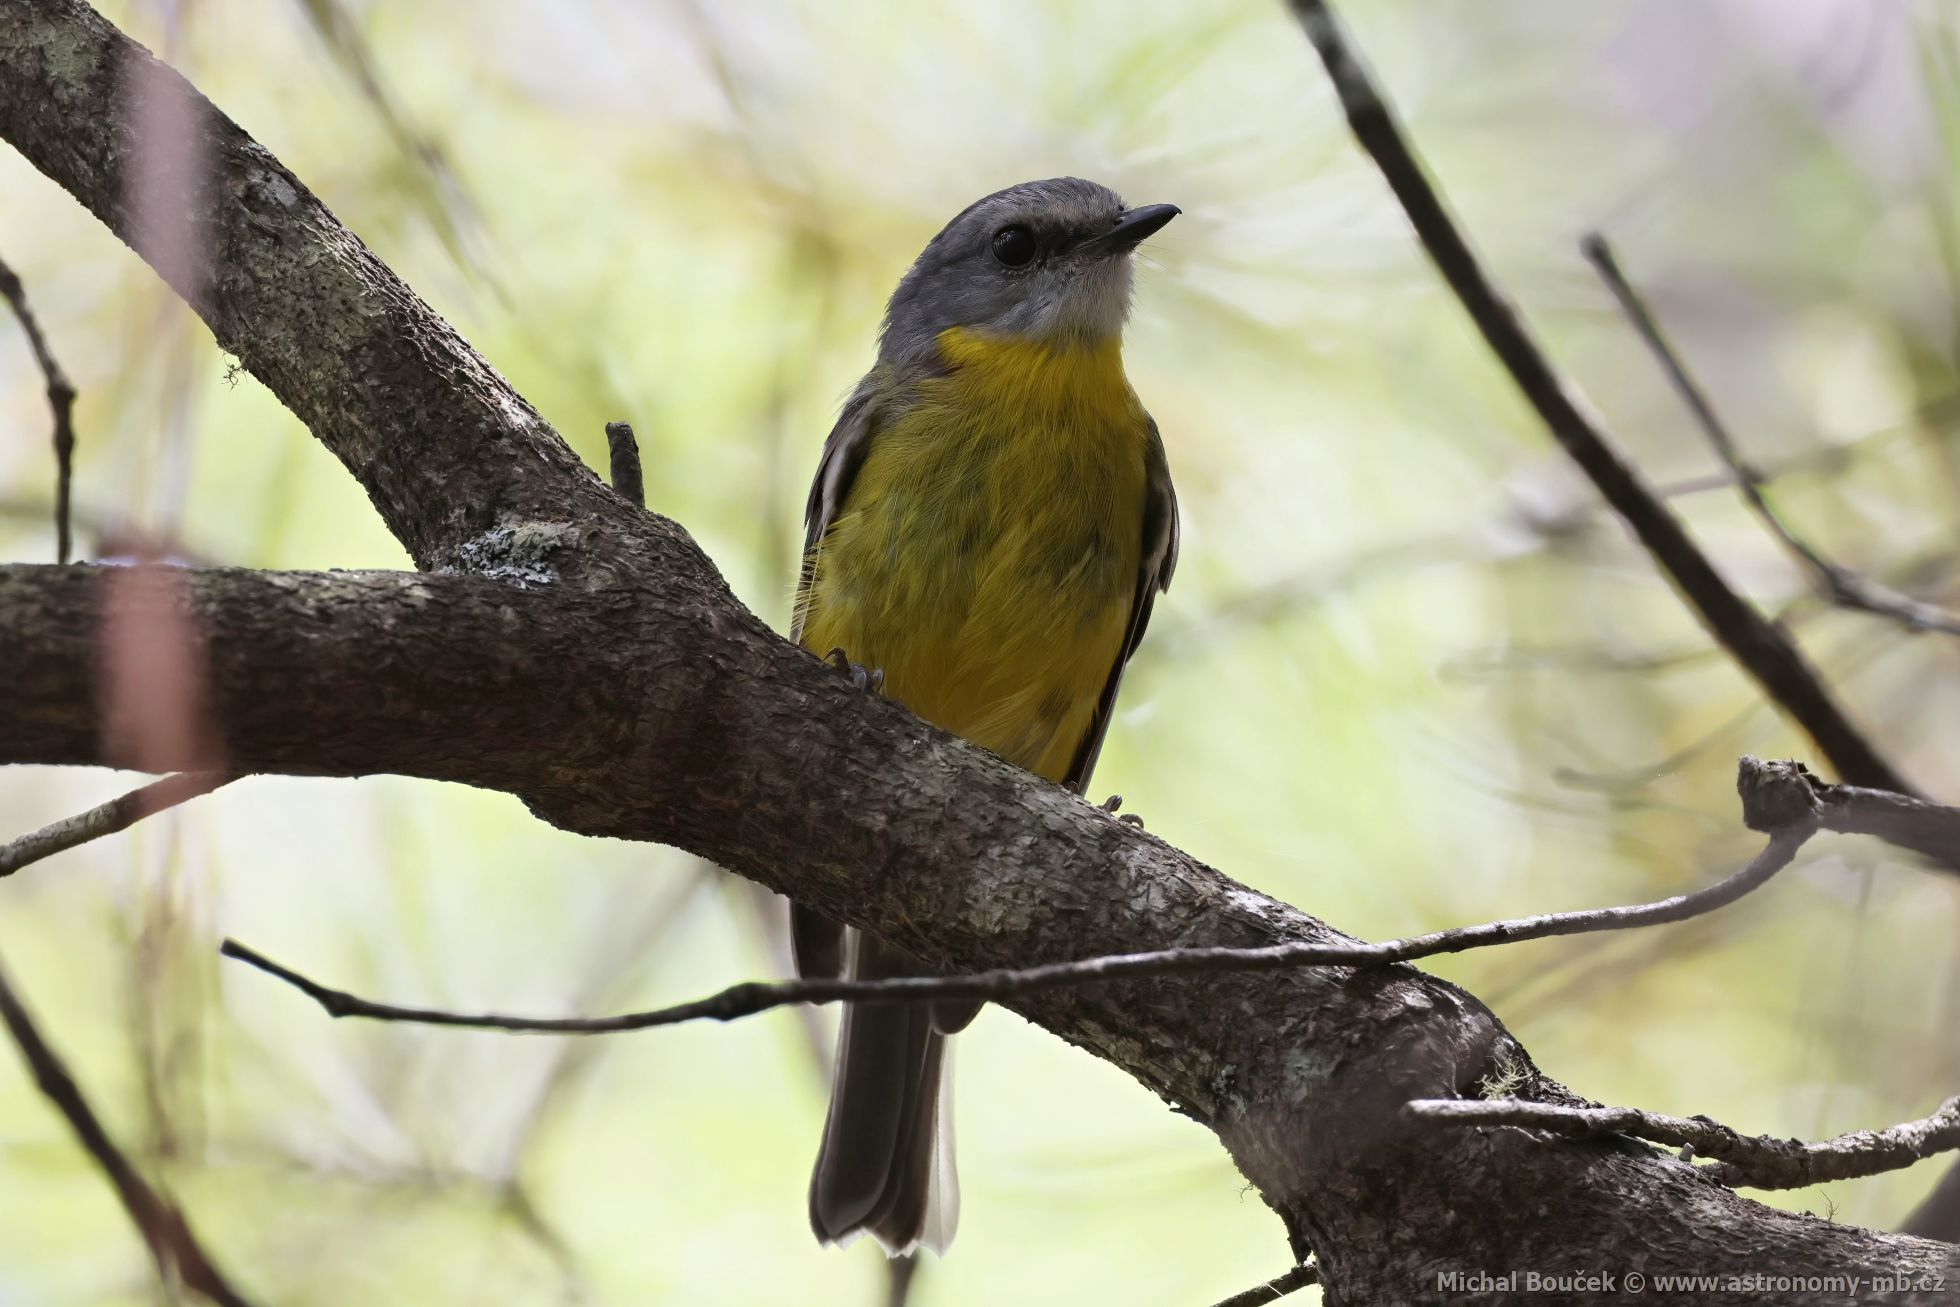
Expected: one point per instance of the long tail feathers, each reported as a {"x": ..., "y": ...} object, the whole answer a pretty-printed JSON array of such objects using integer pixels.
[{"x": 886, "y": 1164}]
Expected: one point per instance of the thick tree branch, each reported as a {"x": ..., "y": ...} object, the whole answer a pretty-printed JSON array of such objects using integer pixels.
[
  {"x": 1758, "y": 1162},
  {"x": 757, "y": 755},
  {"x": 1766, "y": 653}
]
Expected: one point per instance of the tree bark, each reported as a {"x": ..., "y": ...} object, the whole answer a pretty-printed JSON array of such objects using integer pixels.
[{"x": 570, "y": 649}]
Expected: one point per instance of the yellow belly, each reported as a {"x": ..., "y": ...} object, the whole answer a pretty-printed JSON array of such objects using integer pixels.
[{"x": 986, "y": 556}]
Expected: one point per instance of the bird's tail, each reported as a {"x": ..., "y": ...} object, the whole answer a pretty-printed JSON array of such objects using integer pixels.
[{"x": 886, "y": 1164}]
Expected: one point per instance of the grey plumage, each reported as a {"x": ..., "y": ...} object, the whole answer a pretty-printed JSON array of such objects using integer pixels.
[
  {"x": 955, "y": 281},
  {"x": 881, "y": 1166}
]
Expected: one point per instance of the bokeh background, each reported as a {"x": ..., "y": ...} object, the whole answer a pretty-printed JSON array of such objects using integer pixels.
[{"x": 1411, "y": 674}]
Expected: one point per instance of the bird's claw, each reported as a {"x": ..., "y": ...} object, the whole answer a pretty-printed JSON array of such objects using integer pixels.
[
  {"x": 871, "y": 681},
  {"x": 1115, "y": 801}
]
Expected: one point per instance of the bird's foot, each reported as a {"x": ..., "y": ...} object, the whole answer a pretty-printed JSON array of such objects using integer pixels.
[
  {"x": 871, "y": 681},
  {"x": 1115, "y": 801}
]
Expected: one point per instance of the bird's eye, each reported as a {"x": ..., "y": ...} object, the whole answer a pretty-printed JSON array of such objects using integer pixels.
[{"x": 1014, "y": 246}]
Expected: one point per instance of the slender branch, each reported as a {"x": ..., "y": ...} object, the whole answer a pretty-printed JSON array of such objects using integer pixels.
[
  {"x": 1766, "y": 653},
  {"x": 119, "y": 813},
  {"x": 179, "y": 1256},
  {"x": 1929, "y": 829},
  {"x": 1273, "y": 1290},
  {"x": 61, "y": 398},
  {"x": 1836, "y": 582},
  {"x": 627, "y": 479},
  {"x": 1757, "y": 1162},
  {"x": 1776, "y": 798}
]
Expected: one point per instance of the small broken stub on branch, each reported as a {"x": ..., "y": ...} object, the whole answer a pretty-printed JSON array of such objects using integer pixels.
[
  {"x": 624, "y": 448},
  {"x": 1776, "y": 795}
]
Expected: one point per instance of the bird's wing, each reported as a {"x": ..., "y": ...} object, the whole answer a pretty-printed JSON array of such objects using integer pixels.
[
  {"x": 1159, "y": 561},
  {"x": 844, "y": 452},
  {"x": 817, "y": 942}
]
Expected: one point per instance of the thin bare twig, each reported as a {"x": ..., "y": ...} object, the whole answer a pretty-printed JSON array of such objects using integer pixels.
[
  {"x": 180, "y": 1258},
  {"x": 1753, "y": 1161},
  {"x": 1273, "y": 1290},
  {"x": 1776, "y": 798},
  {"x": 1766, "y": 653},
  {"x": 119, "y": 813},
  {"x": 1837, "y": 583},
  {"x": 61, "y": 398}
]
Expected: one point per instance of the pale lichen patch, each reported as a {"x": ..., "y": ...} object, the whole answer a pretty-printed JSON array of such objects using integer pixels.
[{"x": 521, "y": 554}]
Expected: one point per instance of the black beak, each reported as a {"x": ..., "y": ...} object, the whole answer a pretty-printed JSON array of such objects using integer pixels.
[{"x": 1134, "y": 227}]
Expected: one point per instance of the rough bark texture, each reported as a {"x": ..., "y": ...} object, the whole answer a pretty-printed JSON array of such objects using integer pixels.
[{"x": 584, "y": 656}]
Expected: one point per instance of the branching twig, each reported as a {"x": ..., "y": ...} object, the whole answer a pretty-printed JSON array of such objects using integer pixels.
[
  {"x": 1273, "y": 1290},
  {"x": 106, "y": 819},
  {"x": 1837, "y": 583},
  {"x": 61, "y": 398},
  {"x": 1776, "y": 798},
  {"x": 1766, "y": 653},
  {"x": 1757, "y": 1162},
  {"x": 179, "y": 1256}
]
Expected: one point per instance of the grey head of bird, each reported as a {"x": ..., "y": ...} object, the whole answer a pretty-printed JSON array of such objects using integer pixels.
[{"x": 1046, "y": 261}]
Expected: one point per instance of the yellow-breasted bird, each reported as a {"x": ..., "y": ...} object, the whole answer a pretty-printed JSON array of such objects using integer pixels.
[{"x": 991, "y": 520}]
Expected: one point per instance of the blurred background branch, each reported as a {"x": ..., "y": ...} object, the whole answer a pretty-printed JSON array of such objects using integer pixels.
[
  {"x": 61, "y": 399},
  {"x": 1765, "y": 652},
  {"x": 1839, "y": 584},
  {"x": 180, "y": 1258}
]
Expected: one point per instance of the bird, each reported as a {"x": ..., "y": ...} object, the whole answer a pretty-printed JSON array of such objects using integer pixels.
[{"x": 991, "y": 520}]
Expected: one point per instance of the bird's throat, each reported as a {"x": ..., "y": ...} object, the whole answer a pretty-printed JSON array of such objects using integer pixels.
[{"x": 1040, "y": 378}]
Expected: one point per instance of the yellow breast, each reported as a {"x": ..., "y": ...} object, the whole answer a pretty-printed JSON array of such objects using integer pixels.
[{"x": 986, "y": 556}]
